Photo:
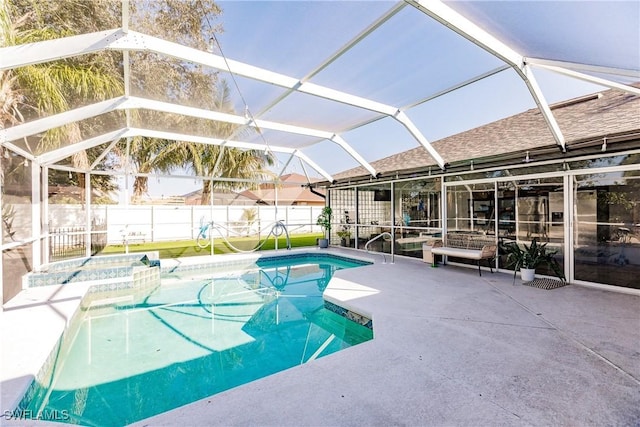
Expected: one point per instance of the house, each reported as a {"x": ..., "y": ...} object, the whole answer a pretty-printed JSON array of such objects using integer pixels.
[
  {"x": 291, "y": 191},
  {"x": 509, "y": 180}
]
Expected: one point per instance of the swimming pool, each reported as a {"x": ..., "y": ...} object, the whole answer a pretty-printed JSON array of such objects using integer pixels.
[{"x": 201, "y": 332}]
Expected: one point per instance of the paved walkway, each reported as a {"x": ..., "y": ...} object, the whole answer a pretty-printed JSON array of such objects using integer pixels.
[{"x": 450, "y": 348}]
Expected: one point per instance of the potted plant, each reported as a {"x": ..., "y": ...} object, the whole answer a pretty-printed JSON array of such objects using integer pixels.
[
  {"x": 345, "y": 237},
  {"x": 324, "y": 221},
  {"x": 528, "y": 258}
]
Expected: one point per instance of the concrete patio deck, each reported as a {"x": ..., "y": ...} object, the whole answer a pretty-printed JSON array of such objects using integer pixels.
[{"x": 451, "y": 348}]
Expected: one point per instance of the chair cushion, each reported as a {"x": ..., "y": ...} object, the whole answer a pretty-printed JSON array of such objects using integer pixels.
[{"x": 456, "y": 252}]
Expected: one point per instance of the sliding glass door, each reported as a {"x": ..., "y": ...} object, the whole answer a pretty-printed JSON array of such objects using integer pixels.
[{"x": 606, "y": 232}]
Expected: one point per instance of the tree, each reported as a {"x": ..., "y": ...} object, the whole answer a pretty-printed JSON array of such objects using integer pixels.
[
  {"x": 202, "y": 159},
  {"x": 150, "y": 155},
  {"x": 168, "y": 79},
  {"x": 44, "y": 89}
]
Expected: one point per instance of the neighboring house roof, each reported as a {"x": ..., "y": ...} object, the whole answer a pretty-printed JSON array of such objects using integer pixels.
[
  {"x": 220, "y": 197},
  {"x": 600, "y": 115},
  {"x": 291, "y": 192}
]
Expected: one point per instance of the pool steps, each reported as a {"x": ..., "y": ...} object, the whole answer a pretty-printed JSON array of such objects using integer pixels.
[{"x": 111, "y": 272}]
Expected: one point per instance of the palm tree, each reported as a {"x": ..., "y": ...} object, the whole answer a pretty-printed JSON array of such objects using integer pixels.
[
  {"x": 158, "y": 77},
  {"x": 45, "y": 89},
  {"x": 231, "y": 162},
  {"x": 152, "y": 155}
]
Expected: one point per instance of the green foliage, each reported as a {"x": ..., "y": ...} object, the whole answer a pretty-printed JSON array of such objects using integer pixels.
[
  {"x": 103, "y": 200},
  {"x": 531, "y": 256},
  {"x": 324, "y": 219},
  {"x": 40, "y": 90},
  {"x": 343, "y": 234},
  {"x": 618, "y": 198},
  {"x": 60, "y": 199}
]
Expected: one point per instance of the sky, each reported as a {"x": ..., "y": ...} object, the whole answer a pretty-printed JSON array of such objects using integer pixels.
[{"x": 409, "y": 57}]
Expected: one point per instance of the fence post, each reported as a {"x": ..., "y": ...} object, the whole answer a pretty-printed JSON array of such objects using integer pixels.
[{"x": 153, "y": 225}]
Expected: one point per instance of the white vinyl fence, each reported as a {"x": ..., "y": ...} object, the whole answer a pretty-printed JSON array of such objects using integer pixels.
[{"x": 165, "y": 223}]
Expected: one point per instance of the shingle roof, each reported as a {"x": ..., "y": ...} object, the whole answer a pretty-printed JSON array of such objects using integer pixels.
[
  {"x": 291, "y": 192},
  {"x": 607, "y": 113}
]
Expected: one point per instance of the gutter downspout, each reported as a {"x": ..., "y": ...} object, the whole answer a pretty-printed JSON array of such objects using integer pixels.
[{"x": 314, "y": 191}]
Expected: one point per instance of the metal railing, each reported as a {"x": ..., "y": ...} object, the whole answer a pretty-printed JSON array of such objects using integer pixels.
[
  {"x": 71, "y": 242},
  {"x": 384, "y": 258},
  {"x": 205, "y": 236}
]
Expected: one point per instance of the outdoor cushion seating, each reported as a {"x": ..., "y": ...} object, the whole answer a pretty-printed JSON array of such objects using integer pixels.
[
  {"x": 469, "y": 246},
  {"x": 415, "y": 243}
]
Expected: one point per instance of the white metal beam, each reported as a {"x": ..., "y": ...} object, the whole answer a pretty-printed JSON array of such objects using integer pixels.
[
  {"x": 357, "y": 157},
  {"x": 543, "y": 106},
  {"x": 448, "y": 17},
  {"x": 139, "y": 41},
  {"x": 415, "y": 132},
  {"x": 126, "y": 60},
  {"x": 457, "y": 86},
  {"x": 81, "y": 113},
  {"x": 125, "y": 15},
  {"x": 42, "y": 125},
  {"x": 215, "y": 141},
  {"x": 135, "y": 102},
  {"x": 284, "y": 167},
  {"x": 127, "y": 103},
  {"x": 165, "y": 107},
  {"x": 304, "y": 169},
  {"x": 103, "y": 154},
  {"x": 314, "y": 165},
  {"x": 53, "y": 50},
  {"x": 218, "y": 160},
  {"x": 467, "y": 29},
  {"x": 19, "y": 151},
  {"x": 119, "y": 40},
  {"x": 175, "y": 136},
  {"x": 68, "y": 150},
  {"x": 622, "y": 72},
  {"x": 587, "y": 78},
  {"x": 61, "y": 153}
]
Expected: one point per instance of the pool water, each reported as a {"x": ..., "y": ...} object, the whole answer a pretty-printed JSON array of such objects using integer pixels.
[{"x": 192, "y": 337}]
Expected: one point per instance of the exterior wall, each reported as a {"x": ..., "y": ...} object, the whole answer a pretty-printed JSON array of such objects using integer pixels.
[{"x": 587, "y": 209}]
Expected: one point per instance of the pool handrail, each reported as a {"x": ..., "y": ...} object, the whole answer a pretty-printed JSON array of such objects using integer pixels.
[
  {"x": 277, "y": 228},
  {"x": 384, "y": 258}
]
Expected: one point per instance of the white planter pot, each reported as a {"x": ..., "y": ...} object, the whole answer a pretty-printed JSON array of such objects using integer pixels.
[{"x": 527, "y": 274}]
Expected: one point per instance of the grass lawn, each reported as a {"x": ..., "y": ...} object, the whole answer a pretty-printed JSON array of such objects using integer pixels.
[{"x": 184, "y": 248}]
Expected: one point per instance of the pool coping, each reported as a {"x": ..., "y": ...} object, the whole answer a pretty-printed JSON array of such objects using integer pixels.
[{"x": 32, "y": 324}]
